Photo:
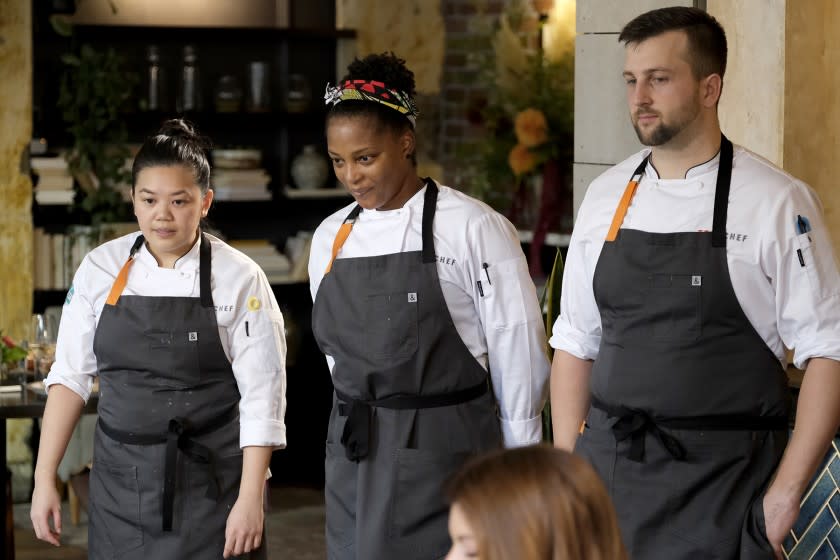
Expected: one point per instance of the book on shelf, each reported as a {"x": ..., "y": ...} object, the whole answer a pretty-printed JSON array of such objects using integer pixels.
[
  {"x": 49, "y": 197},
  {"x": 241, "y": 193},
  {"x": 274, "y": 264},
  {"x": 56, "y": 256},
  {"x": 48, "y": 164},
  {"x": 239, "y": 177}
]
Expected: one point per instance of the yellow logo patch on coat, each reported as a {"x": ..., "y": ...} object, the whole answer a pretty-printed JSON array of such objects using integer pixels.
[{"x": 254, "y": 303}]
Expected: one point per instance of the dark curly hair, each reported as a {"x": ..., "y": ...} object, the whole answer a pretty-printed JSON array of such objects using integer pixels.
[
  {"x": 392, "y": 71},
  {"x": 176, "y": 143}
]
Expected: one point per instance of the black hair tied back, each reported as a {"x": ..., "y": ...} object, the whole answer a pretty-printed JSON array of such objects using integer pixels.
[{"x": 176, "y": 143}]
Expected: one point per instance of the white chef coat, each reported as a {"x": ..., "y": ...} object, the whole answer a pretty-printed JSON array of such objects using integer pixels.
[
  {"x": 502, "y": 328},
  {"x": 790, "y": 303},
  {"x": 257, "y": 351}
]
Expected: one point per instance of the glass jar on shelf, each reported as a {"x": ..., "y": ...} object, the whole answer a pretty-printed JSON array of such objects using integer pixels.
[
  {"x": 228, "y": 95},
  {"x": 189, "y": 90}
]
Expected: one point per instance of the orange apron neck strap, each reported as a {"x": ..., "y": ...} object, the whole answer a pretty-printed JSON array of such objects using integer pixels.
[
  {"x": 342, "y": 235},
  {"x": 626, "y": 199},
  {"x": 122, "y": 278},
  {"x": 119, "y": 284}
]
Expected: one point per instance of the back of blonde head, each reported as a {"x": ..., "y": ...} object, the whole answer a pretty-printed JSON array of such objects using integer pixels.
[{"x": 537, "y": 503}]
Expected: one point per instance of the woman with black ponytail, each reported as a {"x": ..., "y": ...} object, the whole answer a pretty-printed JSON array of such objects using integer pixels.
[
  {"x": 187, "y": 340},
  {"x": 429, "y": 321}
]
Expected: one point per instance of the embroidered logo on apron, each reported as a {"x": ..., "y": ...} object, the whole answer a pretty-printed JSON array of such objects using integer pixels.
[
  {"x": 193, "y": 336},
  {"x": 696, "y": 280},
  {"x": 412, "y": 297}
]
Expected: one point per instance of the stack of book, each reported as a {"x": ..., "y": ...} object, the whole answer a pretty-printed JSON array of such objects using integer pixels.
[
  {"x": 55, "y": 184},
  {"x": 275, "y": 264},
  {"x": 240, "y": 184},
  {"x": 58, "y": 255}
]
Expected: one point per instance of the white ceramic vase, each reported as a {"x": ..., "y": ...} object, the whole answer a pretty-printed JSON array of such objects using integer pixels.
[{"x": 309, "y": 169}]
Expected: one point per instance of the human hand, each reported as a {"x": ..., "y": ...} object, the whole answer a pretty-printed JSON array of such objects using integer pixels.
[
  {"x": 780, "y": 512},
  {"x": 244, "y": 526},
  {"x": 46, "y": 504}
]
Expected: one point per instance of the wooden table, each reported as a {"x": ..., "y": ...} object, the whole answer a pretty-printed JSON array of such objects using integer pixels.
[{"x": 20, "y": 404}]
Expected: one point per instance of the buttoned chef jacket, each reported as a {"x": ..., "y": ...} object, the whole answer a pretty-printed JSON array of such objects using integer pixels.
[
  {"x": 786, "y": 280},
  {"x": 502, "y": 328},
  {"x": 256, "y": 350}
]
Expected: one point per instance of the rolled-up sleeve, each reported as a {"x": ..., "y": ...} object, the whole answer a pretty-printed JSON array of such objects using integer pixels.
[
  {"x": 75, "y": 363},
  {"x": 577, "y": 330},
  {"x": 258, "y": 357},
  {"x": 798, "y": 258},
  {"x": 509, "y": 311}
]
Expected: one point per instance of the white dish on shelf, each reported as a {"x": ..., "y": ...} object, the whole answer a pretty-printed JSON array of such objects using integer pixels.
[
  {"x": 236, "y": 159},
  {"x": 316, "y": 193}
]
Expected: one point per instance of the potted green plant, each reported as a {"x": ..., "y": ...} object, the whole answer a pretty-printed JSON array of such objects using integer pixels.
[{"x": 95, "y": 89}]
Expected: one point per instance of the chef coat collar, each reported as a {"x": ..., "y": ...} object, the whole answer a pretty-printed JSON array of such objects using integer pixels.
[
  {"x": 415, "y": 202},
  {"x": 693, "y": 172},
  {"x": 188, "y": 261}
]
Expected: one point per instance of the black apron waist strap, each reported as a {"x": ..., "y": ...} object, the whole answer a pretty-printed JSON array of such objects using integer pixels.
[
  {"x": 179, "y": 436},
  {"x": 634, "y": 424},
  {"x": 356, "y": 434}
]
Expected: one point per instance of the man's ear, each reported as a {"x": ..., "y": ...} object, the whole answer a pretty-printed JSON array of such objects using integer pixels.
[{"x": 711, "y": 87}]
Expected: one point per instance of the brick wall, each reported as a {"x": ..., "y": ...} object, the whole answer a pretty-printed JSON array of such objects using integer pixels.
[{"x": 459, "y": 91}]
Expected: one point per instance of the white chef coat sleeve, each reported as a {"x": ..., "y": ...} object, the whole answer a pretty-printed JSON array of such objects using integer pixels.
[
  {"x": 577, "y": 329},
  {"x": 509, "y": 312},
  {"x": 798, "y": 259},
  {"x": 75, "y": 363},
  {"x": 258, "y": 358}
]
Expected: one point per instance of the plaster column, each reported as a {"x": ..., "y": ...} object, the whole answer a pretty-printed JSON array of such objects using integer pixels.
[
  {"x": 812, "y": 110},
  {"x": 752, "y": 105},
  {"x": 15, "y": 186},
  {"x": 603, "y": 133}
]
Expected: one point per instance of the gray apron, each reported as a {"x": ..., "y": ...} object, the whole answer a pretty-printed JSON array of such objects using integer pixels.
[
  {"x": 411, "y": 402},
  {"x": 689, "y": 406},
  {"x": 166, "y": 459}
]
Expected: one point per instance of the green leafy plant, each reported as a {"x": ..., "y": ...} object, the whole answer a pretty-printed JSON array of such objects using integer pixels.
[
  {"x": 95, "y": 88},
  {"x": 527, "y": 108},
  {"x": 551, "y": 309},
  {"x": 10, "y": 352}
]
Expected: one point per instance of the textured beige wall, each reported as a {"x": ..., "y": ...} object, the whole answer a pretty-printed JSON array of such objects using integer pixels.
[
  {"x": 411, "y": 28},
  {"x": 15, "y": 188},
  {"x": 812, "y": 109},
  {"x": 752, "y": 107}
]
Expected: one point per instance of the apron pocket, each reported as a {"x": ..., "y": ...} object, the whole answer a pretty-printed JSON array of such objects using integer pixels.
[
  {"x": 178, "y": 355},
  {"x": 673, "y": 307},
  {"x": 754, "y": 543},
  {"x": 391, "y": 326},
  {"x": 418, "y": 510},
  {"x": 115, "y": 508},
  {"x": 340, "y": 498}
]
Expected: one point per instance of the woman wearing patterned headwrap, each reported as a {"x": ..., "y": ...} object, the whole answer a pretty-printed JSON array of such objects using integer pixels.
[{"x": 429, "y": 322}]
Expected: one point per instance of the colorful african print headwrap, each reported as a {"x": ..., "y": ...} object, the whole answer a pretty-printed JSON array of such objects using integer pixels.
[{"x": 371, "y": 90}]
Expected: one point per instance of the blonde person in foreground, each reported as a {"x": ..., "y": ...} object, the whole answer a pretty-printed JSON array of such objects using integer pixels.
[{"x": 531, "y": 503}]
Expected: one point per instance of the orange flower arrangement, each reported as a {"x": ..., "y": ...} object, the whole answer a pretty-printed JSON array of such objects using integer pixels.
[
  {"x": 525, "y": 106},
  {"x": 531, "y": 127},
  {"x": 522, "y": 160}
]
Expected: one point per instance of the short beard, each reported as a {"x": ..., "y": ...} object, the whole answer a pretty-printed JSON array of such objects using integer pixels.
[{"x": 662, "y": 134}]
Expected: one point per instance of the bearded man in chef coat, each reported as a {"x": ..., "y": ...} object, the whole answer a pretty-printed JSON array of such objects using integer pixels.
[{"x": 693, "y": 265}]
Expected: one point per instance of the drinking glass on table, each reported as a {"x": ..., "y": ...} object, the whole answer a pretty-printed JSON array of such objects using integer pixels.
[{"x": 42, "y": 343}]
